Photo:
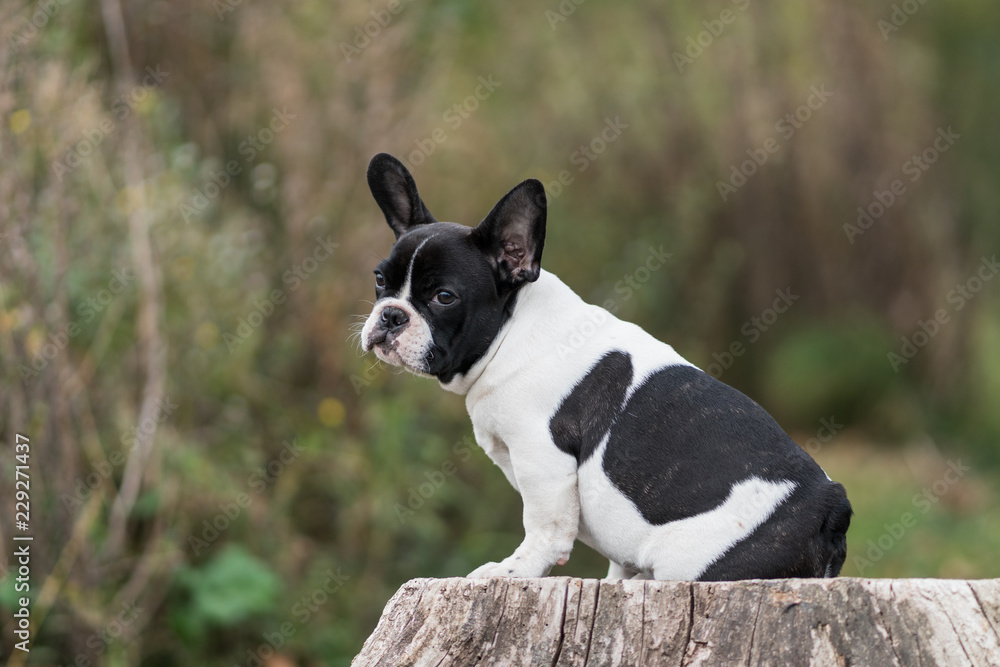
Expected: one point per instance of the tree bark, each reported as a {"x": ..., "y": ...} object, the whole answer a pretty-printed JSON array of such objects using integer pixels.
[{"x": 559, "y": 621}]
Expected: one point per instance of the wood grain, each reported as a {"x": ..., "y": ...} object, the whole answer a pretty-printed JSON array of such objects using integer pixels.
[{"x": 565, "y": 622}]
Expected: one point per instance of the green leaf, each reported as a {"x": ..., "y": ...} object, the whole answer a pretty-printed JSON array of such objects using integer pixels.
[{"x": 232, "y": 587}]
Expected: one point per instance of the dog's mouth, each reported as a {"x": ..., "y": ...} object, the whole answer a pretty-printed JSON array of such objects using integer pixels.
[
  {"x": 377, "y": 339},
  {"x": 405, "y": 344},
  {"x": 387, "y": 348},
  {"x": 387, "y": 353},
  {"x": 385, "y": 345}
]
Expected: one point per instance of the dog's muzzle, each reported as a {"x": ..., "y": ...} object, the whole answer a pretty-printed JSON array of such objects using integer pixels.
[{"x": 398, "y": 335}]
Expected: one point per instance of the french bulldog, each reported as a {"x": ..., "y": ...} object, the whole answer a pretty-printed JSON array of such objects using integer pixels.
[{"x": 620, "y": 443}]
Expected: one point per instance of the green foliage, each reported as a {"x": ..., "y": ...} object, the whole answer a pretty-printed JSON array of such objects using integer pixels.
[
  {"x": 850, "y": 357},
  {"x": 231, "y": 588}
]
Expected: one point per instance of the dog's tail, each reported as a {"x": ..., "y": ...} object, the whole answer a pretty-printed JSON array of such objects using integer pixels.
[{"x": 834, "y": 530}]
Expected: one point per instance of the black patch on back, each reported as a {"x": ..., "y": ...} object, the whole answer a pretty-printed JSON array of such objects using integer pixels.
[
  {"x": 587, "y": 413},
  {"x": 684, "y": 439},
  {"x": 680, "y": 444}
]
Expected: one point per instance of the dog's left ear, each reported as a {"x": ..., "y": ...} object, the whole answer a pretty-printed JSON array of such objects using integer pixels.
[{"x": 513, "y": 233}]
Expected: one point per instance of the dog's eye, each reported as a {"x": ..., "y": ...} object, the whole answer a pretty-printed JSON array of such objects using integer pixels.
[
  {"x": 379, "y": 280},
  {"x": 445, "y": 298}
]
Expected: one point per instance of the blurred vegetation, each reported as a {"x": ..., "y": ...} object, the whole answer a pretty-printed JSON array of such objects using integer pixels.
[{"x": 209, "y": 448}]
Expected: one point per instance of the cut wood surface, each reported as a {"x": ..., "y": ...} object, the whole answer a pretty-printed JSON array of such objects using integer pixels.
[{"x": 785, "y": 622}]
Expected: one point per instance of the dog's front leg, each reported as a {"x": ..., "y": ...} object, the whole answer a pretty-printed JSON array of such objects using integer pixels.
[{"x": 546, "y": 478}]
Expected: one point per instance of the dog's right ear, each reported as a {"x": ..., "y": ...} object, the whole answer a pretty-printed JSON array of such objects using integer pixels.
[{"x": 396, "y": 194}]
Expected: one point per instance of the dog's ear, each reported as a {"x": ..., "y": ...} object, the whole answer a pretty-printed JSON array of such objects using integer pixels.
[
  {"x": 513, "y": 234},
  {"x": 396, "y": 194}
]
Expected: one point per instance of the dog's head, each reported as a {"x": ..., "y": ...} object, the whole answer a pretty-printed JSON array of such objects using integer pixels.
[{"x": 446, "y": 290}]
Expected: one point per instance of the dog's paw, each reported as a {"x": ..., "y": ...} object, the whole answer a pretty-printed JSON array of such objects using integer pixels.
[
  {"x": 492, "y": 570},
  {"x": 513, "y": 566}
]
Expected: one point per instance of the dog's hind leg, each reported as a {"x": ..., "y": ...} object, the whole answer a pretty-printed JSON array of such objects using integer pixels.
[
  {"x": 616, "y": 571},
  {"x": 834, "y": 531}
]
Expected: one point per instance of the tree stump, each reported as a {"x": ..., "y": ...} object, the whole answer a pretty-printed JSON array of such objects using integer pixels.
[{"x": 559, "y": 621}]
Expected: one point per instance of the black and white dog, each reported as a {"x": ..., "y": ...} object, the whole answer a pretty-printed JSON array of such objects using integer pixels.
[{"x": 621, "y": 444}]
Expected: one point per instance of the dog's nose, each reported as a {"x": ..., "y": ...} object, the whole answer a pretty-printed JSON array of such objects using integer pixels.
[{"x": 393, "y": 319}]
